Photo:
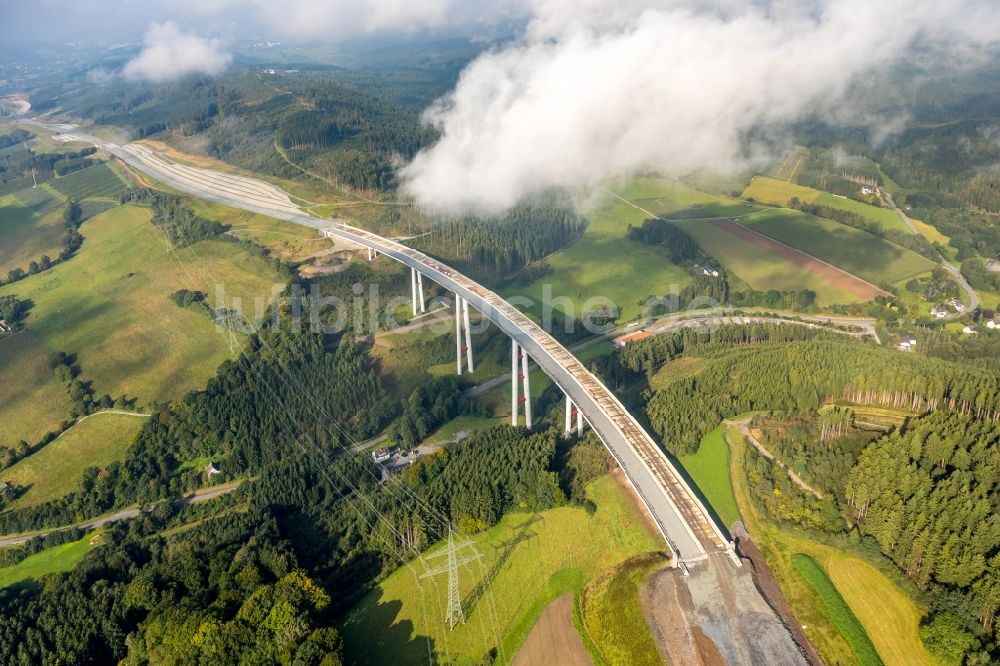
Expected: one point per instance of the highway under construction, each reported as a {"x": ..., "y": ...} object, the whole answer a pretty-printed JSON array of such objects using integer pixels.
[{"x": 725, "y": 605}]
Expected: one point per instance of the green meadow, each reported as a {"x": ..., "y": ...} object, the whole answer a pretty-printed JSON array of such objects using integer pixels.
[
  {"x": 55, "y": 470},
  {"x": 539, "y": 555},
  {"x": 51, "y": 560},
  {"x": 858, "y": 252},
  {"x": 110, "y": 305}
]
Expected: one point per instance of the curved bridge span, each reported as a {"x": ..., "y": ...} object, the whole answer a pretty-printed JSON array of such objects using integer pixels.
[
  {"x": 720, "y": 602},
  {"x": 681, "y": 517}
]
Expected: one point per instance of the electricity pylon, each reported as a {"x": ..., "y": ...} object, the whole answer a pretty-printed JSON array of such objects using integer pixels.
[{"x": 455, "y": 559}]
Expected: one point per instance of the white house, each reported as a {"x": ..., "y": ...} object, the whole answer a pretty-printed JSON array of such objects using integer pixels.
[
  {"x": 993, "y": 323},
  {"x": 867, "y": 190},
  {"x": 957, "y": 304},
  {"x": 907, "y": 343},
  {"x": 969, "y": 330},
  {"x": 381, "y": 455},
  {"x": 940, "y": 312},
  {"x": 711, "y": 272}
]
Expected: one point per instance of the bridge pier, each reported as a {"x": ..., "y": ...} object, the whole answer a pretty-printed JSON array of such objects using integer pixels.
[
  {"x": 519, "y": 374},
  {"x": 372, "y": 254},
  {"x": 417, "y": 291},
  {"x": 463, "y": 333},
  {"x": 571, "y": 411}
]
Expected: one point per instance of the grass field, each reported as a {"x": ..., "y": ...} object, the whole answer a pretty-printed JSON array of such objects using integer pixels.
[
  {"x": 462, "y": 424},
  {"x": 709, "y": 469},
  {"x": 29, "y": 228},
  {"x": 760, "y": 269},
  {"x": 605, "y": 263},
  {"x": 98, "y": 181},
  {"x": 290, "y": 242},
  {"x": 55, "y": 470},
  {"x": 870, "y": 598},
  {"x": 613, "y": 617},
  {"x": 32, "y": 401},
  {"x": 858, "y": 252},
  {"x": 930, "y": 232},
  {"x": 110, "y": 305},
  {"x": 885, "y": 216},
  {"x": 884, "y": 606},
  {"x": 774, "y": 192},
  {"x": 51, "y": 560},
  {"x": 836, "y": 609},
  {"x": 532, "y": 559}
]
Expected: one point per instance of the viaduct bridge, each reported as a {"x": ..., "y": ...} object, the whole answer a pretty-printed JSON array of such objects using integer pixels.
[{"x": 725, "y": 603}]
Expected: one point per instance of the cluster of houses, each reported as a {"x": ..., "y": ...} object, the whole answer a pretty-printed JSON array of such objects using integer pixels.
[{"x": 942, "y": 311}]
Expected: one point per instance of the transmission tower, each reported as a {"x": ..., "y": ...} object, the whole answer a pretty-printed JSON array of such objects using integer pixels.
[{"x": 457, "y": 554}]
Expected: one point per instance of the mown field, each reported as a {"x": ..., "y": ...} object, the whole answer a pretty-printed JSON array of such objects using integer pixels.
[
  {"x": 110, "y": 305},
  {"x": 51, "y": 560},
  {"x": 885, "y": 216},
  {"x": 858, "y": 252},
  {"x": 30, "y": 225},
  {"x": 889, "y": 617},
  {"x": 98, "y": 181},
  {"x": 709, "y": 469},
  {"x": 532, "y": 559},
  {"x": 613, "y": 617},
  {"x": 605, "y": 263},
  {"x": 774, "y": 192},
  {"x": 32, "y": 401},
  {"x": 290, "y": 242},
  {"x": 760, "y": 269},
  {"x": 836, "y": 609},
  {"x": 672, "y": 200},
  {"x": 56, "y": 469}
]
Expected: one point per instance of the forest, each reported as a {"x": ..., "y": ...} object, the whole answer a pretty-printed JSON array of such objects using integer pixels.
[
  {"x": 306, "y": 536},
  {"x": 922, "y": 493}
]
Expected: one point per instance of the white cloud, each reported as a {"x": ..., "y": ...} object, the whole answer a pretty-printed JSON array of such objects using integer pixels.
[
  {"x": 595, "y": 91},
  {"x": 168, "y": 53}
]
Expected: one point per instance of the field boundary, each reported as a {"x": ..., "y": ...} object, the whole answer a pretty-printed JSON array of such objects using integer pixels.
[{"x": 795, "y": 255}]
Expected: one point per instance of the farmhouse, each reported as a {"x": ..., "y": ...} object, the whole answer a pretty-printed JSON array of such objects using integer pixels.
[
  {"x": 212, "y": 468},
  {"x": 381, "y": 455},
  {"x": 969, "y": 330},
  {"x": 939, "y": 312},
  {"x": 907, "y": 343},
  {"x": 868, "y": 190},
  {"x": 707, "y": 270},
  {"x": 957, "y": 304},
  {"x": 993, "y": 323},
  {"x": 623, "y": 340}
]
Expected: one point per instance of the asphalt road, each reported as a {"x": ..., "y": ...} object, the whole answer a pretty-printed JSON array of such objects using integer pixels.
[
  {"x": 196, "y": 497},
  {"x": 970, "y": 293}
]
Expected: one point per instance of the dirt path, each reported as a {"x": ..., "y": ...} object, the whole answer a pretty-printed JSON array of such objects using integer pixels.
[
  {"x": 742, "y": 425},
  {"x": 821, "y": 269},
  {"x": 554, "y": 640}
]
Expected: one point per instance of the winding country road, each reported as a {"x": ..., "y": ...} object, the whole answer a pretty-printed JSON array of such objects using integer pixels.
[
  {"x": 194, "y": 497},
  {"x": 955, "y": 273}
]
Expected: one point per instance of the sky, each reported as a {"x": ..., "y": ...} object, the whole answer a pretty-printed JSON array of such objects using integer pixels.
[{"x": 588, "y": 90}]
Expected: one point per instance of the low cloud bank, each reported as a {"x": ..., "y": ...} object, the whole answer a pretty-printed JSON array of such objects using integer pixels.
[
  {"x": 168, "y": 53},
  {"x": 592, "y": 92}
]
